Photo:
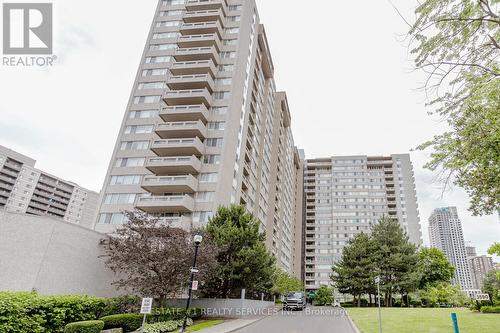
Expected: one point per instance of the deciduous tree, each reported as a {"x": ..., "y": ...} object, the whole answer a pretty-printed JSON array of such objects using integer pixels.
[{"x": 433, "y": 267}]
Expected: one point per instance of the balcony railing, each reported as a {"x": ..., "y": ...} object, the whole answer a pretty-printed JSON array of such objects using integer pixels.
[
  {"x": 186, "y": 82},
  {"x": 178, "y": 147},
  {"x": 188, "y": 129},
  {"x": 188, "y": 97},
  {"x": 170, "y": 184},
  {"x": 166, "y": 204},
  {"x": 194, "y": 67},
  {"x": 197, "y": 54},
  {"x": 174, "y": 165},
  {"x": 185, "y": 112}
]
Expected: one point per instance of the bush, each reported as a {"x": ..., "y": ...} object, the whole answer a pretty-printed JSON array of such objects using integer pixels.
[
  {"x": 91, "y": 326},
  {"x": 128, "y": 321},
  {"x": 168, "y": 314},
  {"x": 122, "y": 304},
  {"x": 23, "y": 312},
  {"x": 165, "y": 327},
  {"x": 323, "y": 296},
  {"x": 490, "y": 309}
]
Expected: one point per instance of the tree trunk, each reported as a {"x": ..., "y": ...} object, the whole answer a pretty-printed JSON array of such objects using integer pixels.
[
  {"x": 370, "y": 299},
  {"x": 359, "y": 300}
]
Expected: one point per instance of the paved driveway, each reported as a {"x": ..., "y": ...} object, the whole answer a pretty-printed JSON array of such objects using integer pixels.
[{"x": 311, "y": 320}]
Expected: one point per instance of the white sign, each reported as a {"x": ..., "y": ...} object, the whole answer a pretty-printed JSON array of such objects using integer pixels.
[
  {"x": 482, "y": 297},
  {"x": 147, "y": 305},
  {"x": 194, "y": 286}
]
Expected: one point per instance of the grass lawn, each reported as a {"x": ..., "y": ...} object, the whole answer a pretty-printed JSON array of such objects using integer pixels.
[
  {"x": 202, "y": 324},
  {"x": 427, "y": 320}
]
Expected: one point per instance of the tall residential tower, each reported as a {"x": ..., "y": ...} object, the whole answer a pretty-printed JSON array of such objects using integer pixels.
[
  {"x": 446, "y": 234},
  {"x": 205, "y": 127},
  {"x": 345, "y": 195}
]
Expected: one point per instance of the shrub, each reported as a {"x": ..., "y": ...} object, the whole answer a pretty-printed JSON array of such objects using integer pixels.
[
  {"x": 490, "y": 309},
  {"x": 165, "y": 327},
  {"x": 128, "y": 321},
  {"x": 168, "y": 314},
  {"x": 121, "y": 304},
  {"x": 91, "y": 326},
  {"x": 23, "y": 312}
]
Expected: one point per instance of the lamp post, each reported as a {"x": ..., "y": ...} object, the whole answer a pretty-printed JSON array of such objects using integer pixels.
[
  {"x": 197, "y": 242},
  {"x": 377, "y": 281}
]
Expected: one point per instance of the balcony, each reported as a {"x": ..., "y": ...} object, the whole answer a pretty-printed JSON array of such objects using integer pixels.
[
  {"x": 174, "y": 165},
  {"x": 8, "y": 180},
  {"x": 170, "y": 184},
  {"x": 207, "y": 40},
  {"x": 185, "y": 112},
  {"x": 197, "y": 5},
  {"x": 186, "y": 82},
  {"x": 166, "y": 204},
  {"x": 188, "y": 129},
  {"x": 178, "y": 147},
  {"x": 197, "y": 54},
  {"x": 188, "y": 97},
  {"x": 204, "y": 16},
  {"x": 202, "y": 28},
  {"x": 194, "y": 68},
  {"x": 5, "y": 186}
]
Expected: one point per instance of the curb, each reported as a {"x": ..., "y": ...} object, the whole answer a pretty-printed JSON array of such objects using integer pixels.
[
  {"x": 351, "y": 322},
  {"x": 246, "y": 325}
]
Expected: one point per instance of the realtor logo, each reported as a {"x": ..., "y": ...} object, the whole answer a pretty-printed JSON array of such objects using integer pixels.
[{"x": 27, "y": 28}]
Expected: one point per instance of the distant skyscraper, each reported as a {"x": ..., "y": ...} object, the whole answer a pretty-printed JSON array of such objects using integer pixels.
[
  {"x": 446, "y": 234},
  {"x": 205, "y": 126},
  {"x": 24, "y": 189},
  {"x": 345, "y": 195},
  {"x": 479, "y": 265}
]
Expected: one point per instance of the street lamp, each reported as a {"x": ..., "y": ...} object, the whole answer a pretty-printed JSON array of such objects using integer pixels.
[
  {"x": 377, "y": 281},
  {"x": 197, "y": 241}
]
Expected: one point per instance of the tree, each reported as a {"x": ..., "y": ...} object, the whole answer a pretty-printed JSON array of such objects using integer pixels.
[
  {"x": 355, "y": 272},
  {"x": 395, "y": 258},
  {"x": 491, "y": 286},
  {"x": 442, "y": 293},
  {"x": 324, "y": 295},
  {"x": 433, "y": 267},
  {"x": 494, "y": 250},
  {"x": 456, "y": 42},
  {"x": 242, "y": 258},
  {"x": 153, "y": 259},
  {"x": 285, "y": 283}
]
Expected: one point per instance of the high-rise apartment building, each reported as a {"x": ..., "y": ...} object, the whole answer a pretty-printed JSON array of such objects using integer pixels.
[
  {"x": 24, "y": 189},
  {"x": 479, "y": 265},
  {"x": 446, "y": 234},
  {"x": 205, "y": 127},
  {"x": 345, "y": 195}
]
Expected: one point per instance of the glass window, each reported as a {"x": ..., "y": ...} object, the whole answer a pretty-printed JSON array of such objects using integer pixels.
[
  {"x": 134, "y": 145},
  {"x": 153, "y": 72},
  {"x": 211, "y": 159},
  {"x": 152, "y": 85},
  {"x": 125, "y": 180},
  {"x": 161, "y": 35},
  {"x": 163, "y": 47},
  {"x": 168, "y": 24},
  {"x": 147, "y": 99},
  {"x": 208, "y": 177},
  {"x": 156, "y": 60},
  {"x": 144, "y": 114},
  {"x": 216, "y": 125},
  {"x": 120, "y": 199},
  {"x": 214, "y": 142},
  {"x": 129, "y": 162},
  {"x": 139, "y": 129},
  {"x": 171, "y": 13}
]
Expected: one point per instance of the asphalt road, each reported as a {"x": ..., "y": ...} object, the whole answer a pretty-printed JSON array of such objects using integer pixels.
[{"x": 311, "y": 320}]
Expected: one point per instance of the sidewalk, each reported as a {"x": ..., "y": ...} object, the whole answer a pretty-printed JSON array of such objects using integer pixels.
[{"x": 231, "y": 325}]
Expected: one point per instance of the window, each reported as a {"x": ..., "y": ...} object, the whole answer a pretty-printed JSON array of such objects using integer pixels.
[
  {"x": 125, "y": 180},
  {"x": 165, "y": 35},
  {"x": 134, "y": 145},
  {"x": 214, "y": 142},
  {"x": 172, "y": 2},
  {"x": 226, "y": 68},
  {"x": 216, "y": 125},
  {"x": 152, "y": 85},
  {"x": 219, "y": 110},
  {"x": 208, "y": 177},
  {"x": 224, "y": 81},
  {"x": 211, "y": 159},
  {"x": 202, "y": 216},
  {"x": 115, "y": 218},
  {"x": 171, "y": 12},
  {"x": 156, "y": 60},
  {"x": 129, "y": 162},
  {"x": 232, "y": 30},
  {"x": 222, "y": 94},
  {"x": 235, "y": 7},
  {"x": 234, "y": 18},
  {"x": 147, "y": 99},
  {"x": 168, "y": 24},
  {"x": 120, "y": 199},
  {"x": 163, "y": 47},
  {"x": 205, "y": 196},
  {"x": 143, "y": 114},
  {"x": 229, "y": 42},
  {"x": 139, "y": 129},
  {"x": 153, "y": 72},
  {"x": 228, "y": 55}
]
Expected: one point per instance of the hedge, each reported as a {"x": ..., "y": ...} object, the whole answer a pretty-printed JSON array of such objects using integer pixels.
[
  {"x": 166, "y": 327},
  {"x": 490, "y": 309},
  {"x": 22, "y": 312},
  {"x": 128, "y": 321},
  {"x": 90, "y": 326}
]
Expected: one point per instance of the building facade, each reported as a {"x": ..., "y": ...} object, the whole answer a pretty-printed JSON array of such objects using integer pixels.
[
  {"x": 205, "y": 127},
  {"x": 446, "y": 234},
  {"x": 480, "y": 266},
  {"x": 345, "y": 195},
  {"x": 25, "y": 189}
]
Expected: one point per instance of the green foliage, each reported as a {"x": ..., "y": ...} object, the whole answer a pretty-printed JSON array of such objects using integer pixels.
[
  {"x": 355, "y": 272},
  {"x": 490, "y": 309},
  {"x": 165, "y": 327},
  {"x": 491, "y": 286},
  {"x": 494, "y": 250},
  {"x": 122, "y": 304},
  {"x": 242, "y": 258},
  {"x": 442, "y": 293},
  {"x": 433, "y": 267},
  {"x": 285, "y": 283},
  {"x": 33, "y": 313},
  {"x": 128, "y": 321},
  {"x": 90, "y": 326},
  {"x": 324, "y": 296},
  {"x": 456, "y": 42}
]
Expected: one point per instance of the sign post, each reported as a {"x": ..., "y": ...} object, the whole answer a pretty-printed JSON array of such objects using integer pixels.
[
  {"x": 377, "y": 281},
  {"x": 146, "y": 307},
  {"x": 455, "y": 322}
]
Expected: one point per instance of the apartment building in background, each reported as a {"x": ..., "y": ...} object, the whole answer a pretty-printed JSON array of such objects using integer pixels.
[
  {"x": 205, "y": 126},
  {"x": 346, "y": 195},
  {"x": 27, "y": 190},
  {"x": 479, "y": 265},
  {"x": 446, "y": 234}
]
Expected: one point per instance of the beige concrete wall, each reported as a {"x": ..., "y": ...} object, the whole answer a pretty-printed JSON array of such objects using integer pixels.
[{"x": 51, "y": 256}]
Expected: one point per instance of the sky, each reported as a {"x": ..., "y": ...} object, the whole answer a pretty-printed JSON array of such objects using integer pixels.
[{"x": 344, "y": 65}]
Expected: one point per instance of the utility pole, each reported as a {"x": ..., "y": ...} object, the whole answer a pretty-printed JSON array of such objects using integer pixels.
[{"x": 197, "y": 242}]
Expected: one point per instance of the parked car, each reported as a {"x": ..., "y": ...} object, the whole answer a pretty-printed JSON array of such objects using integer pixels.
[{"x": 295, "y": 300}]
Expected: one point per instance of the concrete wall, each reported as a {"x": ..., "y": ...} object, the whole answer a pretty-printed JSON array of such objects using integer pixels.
[
  {"x": 51, "y": 256},
  {"x": 226, "y": 307}
]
